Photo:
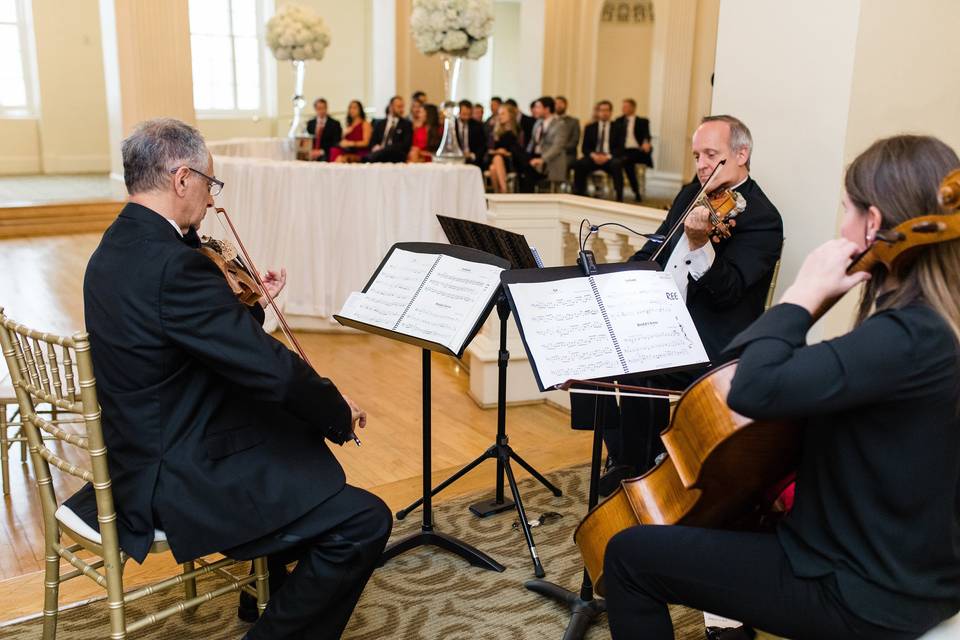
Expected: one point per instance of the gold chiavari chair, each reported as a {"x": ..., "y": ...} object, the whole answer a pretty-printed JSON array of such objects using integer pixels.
[{"x": 40, "y": 375}]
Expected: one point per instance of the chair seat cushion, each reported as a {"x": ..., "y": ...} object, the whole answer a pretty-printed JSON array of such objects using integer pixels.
[{"x": 69, "y": 519}]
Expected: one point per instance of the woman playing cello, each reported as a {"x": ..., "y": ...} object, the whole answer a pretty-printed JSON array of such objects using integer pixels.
[{"x": 871, "y": 548}]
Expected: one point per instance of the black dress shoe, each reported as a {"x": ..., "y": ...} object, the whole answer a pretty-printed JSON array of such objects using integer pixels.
[
  {"x": 247, "y": 608},
  {"x": 610, "y": 481}
]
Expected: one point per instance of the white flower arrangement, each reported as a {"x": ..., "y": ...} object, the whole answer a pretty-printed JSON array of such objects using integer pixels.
[
  {"x": 456, "y": 27},
  {"x": 296, "y": 33}
]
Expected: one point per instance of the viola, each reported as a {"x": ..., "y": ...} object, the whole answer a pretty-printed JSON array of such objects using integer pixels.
[{"x": 718, "y": 469}]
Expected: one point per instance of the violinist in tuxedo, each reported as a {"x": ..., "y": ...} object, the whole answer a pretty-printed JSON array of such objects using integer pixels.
[
  {"x": 602, "y": 150},
  {"x": 725, "y": 285},
  {"x": 217, "y": 433},
  {"x": 324, "y": 130},
  {"x": 633, "y": 136},
  {"x": 392, "y": 135}
]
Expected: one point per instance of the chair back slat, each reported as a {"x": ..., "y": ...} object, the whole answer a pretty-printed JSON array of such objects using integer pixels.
[{"x": 42, "y": 367}]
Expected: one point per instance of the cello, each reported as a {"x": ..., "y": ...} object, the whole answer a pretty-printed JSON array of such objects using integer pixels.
[{"x": 720, "y": 464}]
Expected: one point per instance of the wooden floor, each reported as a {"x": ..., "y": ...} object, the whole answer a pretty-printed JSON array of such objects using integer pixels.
[{"x": 41, "y": 287}]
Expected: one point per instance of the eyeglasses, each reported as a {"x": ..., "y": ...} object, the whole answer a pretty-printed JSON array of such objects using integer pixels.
[{"x": 214, "y": 186}]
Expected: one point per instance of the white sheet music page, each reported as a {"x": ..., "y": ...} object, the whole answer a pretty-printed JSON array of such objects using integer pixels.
[
  {"x": 611, "y": 324},
  {"x": 433, "y": 297}
]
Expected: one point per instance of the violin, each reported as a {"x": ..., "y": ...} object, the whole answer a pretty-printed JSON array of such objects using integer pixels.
[
  {"x": 723, "y": 206},
  {"x": 718, "y": 468},
  {"x": 241, "y": 281},
  {"x": 895, "y": 245}
]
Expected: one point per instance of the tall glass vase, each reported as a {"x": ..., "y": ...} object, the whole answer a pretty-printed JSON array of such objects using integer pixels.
[
  {"x": 449, "y": 150},
  {"x": 298, "y": 101}
]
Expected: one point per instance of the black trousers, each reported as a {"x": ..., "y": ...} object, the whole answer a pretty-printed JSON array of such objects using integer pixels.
[
  {"x": 336, "y": 546},
  {"x": 529, "y": 176},
  {"x": 743, "y": 576},
  {"x": 630, "y": 159},
  {"x": 631, "y": 430},
  {"x": 583, "y": 167}
]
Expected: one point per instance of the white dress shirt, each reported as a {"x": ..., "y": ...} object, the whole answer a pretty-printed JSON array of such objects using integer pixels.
[
  {"x": 683, "y": 262},
  {"x": 631, "y": 142}
]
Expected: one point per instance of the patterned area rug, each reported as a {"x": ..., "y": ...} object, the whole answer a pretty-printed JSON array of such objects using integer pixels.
[{"x": 425, "y": 593}]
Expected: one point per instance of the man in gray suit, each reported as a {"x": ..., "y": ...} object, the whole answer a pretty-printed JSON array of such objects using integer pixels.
[
  {"x": 547, "y": 149},
  {"x": 573, "y": 129}
]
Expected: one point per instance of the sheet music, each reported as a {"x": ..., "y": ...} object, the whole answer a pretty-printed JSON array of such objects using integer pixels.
[
  {"x": 640, "y": 324},
  {"x": 434, "y": 297}
]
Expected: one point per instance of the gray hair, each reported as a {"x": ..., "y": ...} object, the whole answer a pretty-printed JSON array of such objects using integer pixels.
[
  {"x": 155, "y": 148},
  {"x": 740, "y": 137}
]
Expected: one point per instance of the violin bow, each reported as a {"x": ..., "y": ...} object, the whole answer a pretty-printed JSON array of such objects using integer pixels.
[
  {"x": 617, "y": 389},
  {"x": 693, "y": 203}
]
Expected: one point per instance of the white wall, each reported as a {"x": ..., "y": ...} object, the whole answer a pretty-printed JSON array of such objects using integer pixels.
[
  {"x": 793, "y": 91},
  {"x": 624, "y": 51},
  {"x": 506, "y": 42},
  {"x": 530, "y": 59}
]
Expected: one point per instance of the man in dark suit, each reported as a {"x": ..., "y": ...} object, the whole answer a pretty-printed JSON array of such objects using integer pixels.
[
  {"x": 601, "y": 150},
  {"x": 215, "y": 430},
  {"x": 326, "y": 131},
  {"x": 392, "y": 135},
  {"x": 470, "y": 134},
  {"x": 633, "y": 134},
  {"x": 490, "y": 123},
  {"x": 725, "y": 285}
]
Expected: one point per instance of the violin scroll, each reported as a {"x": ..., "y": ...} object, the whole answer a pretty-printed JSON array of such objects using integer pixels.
[{"x": 949, "y": 194}]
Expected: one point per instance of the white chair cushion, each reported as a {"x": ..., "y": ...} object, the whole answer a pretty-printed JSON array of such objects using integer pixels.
[{"x": 68, "y": 518}]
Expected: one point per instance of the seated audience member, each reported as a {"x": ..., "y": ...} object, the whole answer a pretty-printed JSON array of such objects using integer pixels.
[
  {"x": 418, "y": 97},
  {"x": 325, "y": 131},
  {"x": 602, "y": 150},
  {"x": 546, "y": 149},
  {"x": 392, "y": 136},
  {"x": 355, "y": 144},
  {"x": 478, "y": 112},
  {"x": 506, "y": 152},
  {"x": 573, "y": 129},
  {"x": 491, "y": 122},
  {"x": 633, "y": 135},
  {"x": 470, "y": 134},
  {"x": 526, "y": 122},
  {"x": 426, "y": 132}
]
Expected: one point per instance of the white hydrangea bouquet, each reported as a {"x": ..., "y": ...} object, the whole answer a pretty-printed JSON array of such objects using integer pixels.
[
  {"x": 455, "y": 27},
  {"x": 296, "y": 33}
]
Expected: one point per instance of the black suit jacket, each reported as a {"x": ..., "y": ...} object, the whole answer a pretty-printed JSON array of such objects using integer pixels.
[
  {"x": 733, "y": 292},
  {"x": 477, "y": 139},
  {"x": 332, "y": 133},
  {"x": 641, "y": 133},
  {"x": 526, "y": 127},
  {"x": 590, "y": 135},
  {"x": 215, "y": 430},
  {"x": 401, "y": 138}
]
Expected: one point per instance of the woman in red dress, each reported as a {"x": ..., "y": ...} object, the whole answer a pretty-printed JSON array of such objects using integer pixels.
[
  {"x": 426, "y": 132},
  {"x": 355, "y": 143}
]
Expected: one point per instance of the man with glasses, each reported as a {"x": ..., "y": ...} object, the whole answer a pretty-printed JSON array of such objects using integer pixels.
[{"x": 213, "y": 427}]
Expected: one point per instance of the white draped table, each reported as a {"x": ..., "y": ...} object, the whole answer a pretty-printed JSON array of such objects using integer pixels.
[
  {"x": 331, "y": 224},
  {"x": 266, "y": 148}
]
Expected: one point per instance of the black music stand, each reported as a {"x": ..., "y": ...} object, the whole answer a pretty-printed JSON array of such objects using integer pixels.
[
  {"x": 427, "y": 535},
  {"x": 513, "y": 247},
  {"x": 584, "y": 608}
]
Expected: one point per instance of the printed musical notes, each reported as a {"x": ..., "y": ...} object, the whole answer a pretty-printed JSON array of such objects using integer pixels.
[
  {"x": 610, "y": 324},
  {"x": 434, "y": 297}
]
